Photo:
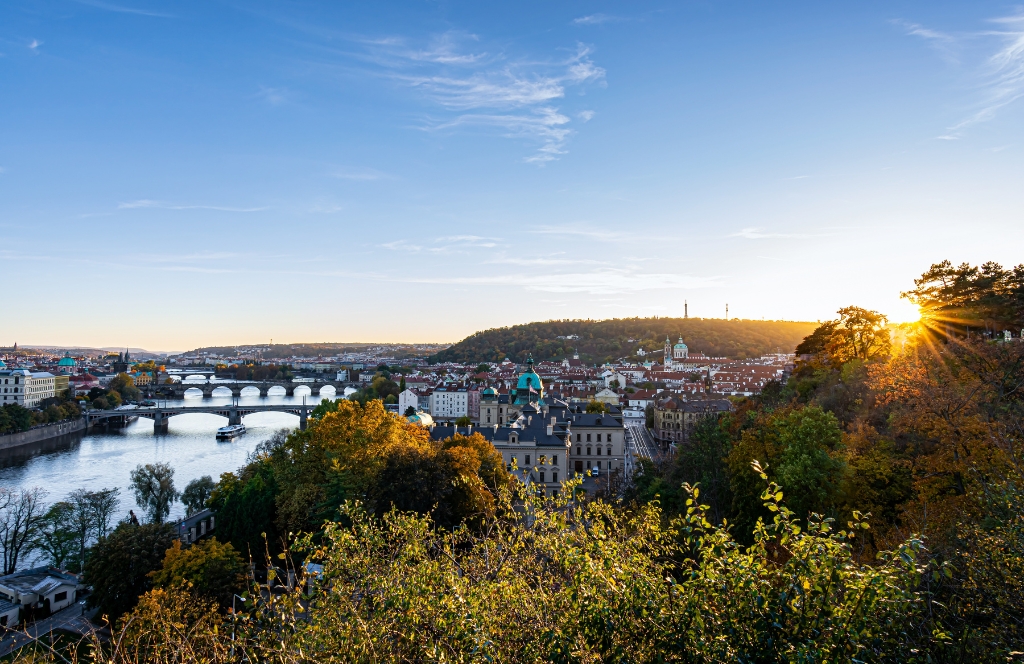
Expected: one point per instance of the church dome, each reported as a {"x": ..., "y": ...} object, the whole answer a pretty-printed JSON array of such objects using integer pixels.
[
  {"x": 680, "y": 345},
  {"x": 67, "y": 361},
  {"x": 527, "y": 380}
]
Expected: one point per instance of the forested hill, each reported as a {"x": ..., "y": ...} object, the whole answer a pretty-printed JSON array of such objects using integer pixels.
[{"x": 607, "y": 340}]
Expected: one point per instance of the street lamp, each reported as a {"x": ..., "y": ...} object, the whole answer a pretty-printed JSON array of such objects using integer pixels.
[{"x": 234, "y": 620}]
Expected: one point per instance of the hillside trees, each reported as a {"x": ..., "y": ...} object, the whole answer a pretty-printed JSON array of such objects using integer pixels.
[{"x": 119, "y": 566}]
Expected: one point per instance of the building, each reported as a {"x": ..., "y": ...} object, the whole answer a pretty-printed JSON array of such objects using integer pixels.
[
  {"x": 26, "y": 388},
  {"x": 449, "y": 403},
  {"x": 41, "y": 588},
  {"x": 674, "y": 418},
  {"x": 535, "y": 448},
  {"x": 67, "y": 365}
]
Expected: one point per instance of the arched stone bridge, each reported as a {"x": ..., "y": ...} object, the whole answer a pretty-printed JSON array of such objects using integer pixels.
[
  {"x": 234, "y": 413},
  {"x": 177, "y": 390}
]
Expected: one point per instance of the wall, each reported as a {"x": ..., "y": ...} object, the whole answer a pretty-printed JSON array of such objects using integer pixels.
[{"x": 40, "y": 434}]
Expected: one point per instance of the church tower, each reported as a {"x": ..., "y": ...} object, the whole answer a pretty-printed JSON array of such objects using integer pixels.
[{"x": 668, "y": 354}]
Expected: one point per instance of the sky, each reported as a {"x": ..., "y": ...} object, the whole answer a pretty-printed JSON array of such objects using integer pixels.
[{"x": 181, "y": 174}]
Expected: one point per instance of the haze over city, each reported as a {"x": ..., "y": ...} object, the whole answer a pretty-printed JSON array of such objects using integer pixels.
[{"x": 182, "y": 174}]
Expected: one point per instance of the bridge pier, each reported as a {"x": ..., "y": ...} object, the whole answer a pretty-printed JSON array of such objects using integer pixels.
[
  {"x": 208, "y": 392},
  {"x": 236, "y": 391},
  {"x": 289, "y": 391},
  {"x": 303, "y": 414},
  {"x": 264, "y": 390},
  {"x": 159, "y": 423},
  {"x": 233, "y": 416}
]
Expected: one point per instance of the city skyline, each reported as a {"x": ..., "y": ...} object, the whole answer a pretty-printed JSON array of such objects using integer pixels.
[{"x": 177, "y": 175}]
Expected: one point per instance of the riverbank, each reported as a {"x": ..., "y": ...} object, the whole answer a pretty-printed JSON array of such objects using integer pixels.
[{"x": 41, "y": 434}]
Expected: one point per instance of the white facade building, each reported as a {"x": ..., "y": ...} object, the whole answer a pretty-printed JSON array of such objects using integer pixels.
[
  {"x": 25, "y": 388},
  {"x": 406, "y": 400},
  {"x": 449, "y": 404}
]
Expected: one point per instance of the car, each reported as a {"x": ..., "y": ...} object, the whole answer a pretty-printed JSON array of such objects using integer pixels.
[{"x": 595, "y": 472}]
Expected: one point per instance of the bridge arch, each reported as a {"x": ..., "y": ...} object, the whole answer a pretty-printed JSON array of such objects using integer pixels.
[
  {"x": 327, "y": 390},
  {"x": 193, "y": 393},
  {"x": 276, "y": 391},
  {"x": 302, "y": 390},
  {"x": 250, "y": 391},
  {"x": 221, "y": 391}
]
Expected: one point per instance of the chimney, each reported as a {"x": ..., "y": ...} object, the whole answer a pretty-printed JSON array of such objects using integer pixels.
[
  {"x": 551, "y": 429},
  {"x": 553, "y": 418}
]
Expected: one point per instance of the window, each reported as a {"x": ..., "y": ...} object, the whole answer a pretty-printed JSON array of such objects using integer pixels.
[
  {"x": 599, "y": 438},
  {"x": 527, "y": 459},
  {"x": 588, "y": 440},
  {"x": 599, "y": 450},
  {"x": 554, "y": 460},
  {"x": 542, "y": 459},
  {"x": 588, "y": 451},
  {"x": 579, "y": 451},
  {"x": 609, "y": 450},
  {"x": 577, "y": 438},
  {"x": 542, "y": 476},
  {"x": 61, "y": 596},
  {"x": 554, "y": 477}
]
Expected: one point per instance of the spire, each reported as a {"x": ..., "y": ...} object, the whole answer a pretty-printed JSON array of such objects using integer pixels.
[{"x": 686, "y": 309}]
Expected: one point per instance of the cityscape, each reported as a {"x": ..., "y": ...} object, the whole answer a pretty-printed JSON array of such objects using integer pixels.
[{"x": 511, "y": 333}]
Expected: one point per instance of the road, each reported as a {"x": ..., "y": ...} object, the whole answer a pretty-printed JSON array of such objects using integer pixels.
[
  {"x": 639, "y": 443},
  {"x": 72, "y": 619}
]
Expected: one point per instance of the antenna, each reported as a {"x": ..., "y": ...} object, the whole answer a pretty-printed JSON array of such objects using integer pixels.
[
  {"x": 726, "y": 311},
  {"x": 686, "y": 309}
]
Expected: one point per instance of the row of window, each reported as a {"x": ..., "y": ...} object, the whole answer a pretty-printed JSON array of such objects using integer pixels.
[
  {"x": 542, "y": 459},
  {"x": 608, "y": 438},
  {"x": 580, "y": 453}
]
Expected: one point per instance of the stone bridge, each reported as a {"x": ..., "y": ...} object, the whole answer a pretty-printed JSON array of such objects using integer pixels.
[
  {"x": 160, "y": 414},
  {"x": 177, "y": 390}
]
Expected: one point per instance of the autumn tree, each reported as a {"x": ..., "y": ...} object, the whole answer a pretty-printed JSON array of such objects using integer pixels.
[
  {"x": 153, "y": 485},
  {"x": 208, "y": 568}
]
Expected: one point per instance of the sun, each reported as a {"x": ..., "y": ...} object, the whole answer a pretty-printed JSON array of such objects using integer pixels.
[{"x": 904, "y": 312}]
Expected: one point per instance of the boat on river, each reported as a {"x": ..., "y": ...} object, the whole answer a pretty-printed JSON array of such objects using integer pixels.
[{"x": 230, "y": 431}]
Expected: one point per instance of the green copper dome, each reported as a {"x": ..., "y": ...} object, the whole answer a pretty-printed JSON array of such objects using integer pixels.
[{"x": 529, "y": 379}]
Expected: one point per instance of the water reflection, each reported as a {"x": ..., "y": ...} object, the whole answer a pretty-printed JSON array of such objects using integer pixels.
[{"x": 104, "y": 459}]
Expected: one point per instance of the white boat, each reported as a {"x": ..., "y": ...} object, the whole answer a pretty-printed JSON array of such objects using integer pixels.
[{"x": 230, "y": 431}]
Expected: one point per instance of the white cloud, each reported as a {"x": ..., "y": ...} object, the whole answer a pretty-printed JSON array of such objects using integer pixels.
[
  {"x": 124, "y": 10},
  {"x": 273, "y": 96},
  {"x": 604, "y": 281},
  {"x": 1000, "y": 77},
  {"x": 35, "y": 44},
  {"x": 595, "y": 19},
  {"x": 146, "y": 203},
  {"x": 444, "y": 245},
  {"x": 754, "y": 233},
  {"x": 586, "y": 116},
  {"x": 513, "y": 95}
]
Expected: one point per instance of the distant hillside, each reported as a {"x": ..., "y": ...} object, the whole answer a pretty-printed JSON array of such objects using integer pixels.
[
  {"x": 607, "y": 340},
  {"x": 324, "y": 349}
]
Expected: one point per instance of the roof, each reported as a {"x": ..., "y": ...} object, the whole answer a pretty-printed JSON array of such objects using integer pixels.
[{"x": 27, "y": 581}]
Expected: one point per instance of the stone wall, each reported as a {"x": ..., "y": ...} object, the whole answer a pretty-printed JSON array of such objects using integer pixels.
[{"x": 40, "y": 434}]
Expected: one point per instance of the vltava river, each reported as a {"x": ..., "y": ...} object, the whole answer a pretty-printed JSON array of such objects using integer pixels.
[{"x": 104, "y": 460}]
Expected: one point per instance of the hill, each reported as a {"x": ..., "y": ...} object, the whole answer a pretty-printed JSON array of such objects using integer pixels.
[{"x": 607, "y": 340}]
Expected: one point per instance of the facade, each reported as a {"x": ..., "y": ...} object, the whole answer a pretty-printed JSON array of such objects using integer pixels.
[
  {"x": 26, "y": 388},
  {"x": 407, "y": 399},
  {"x": 14, "y": 385},
  {"x": 449, "y": 403},
  {"x": 674, "y": 418},
  {"x": 42, "y": 588}
]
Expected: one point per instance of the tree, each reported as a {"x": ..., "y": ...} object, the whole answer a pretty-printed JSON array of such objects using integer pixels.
[
  {"x": 594, "y": 406},
  {"x": 153, "y": 485},
  {"x": 118, "y": 569},
  {"x": 410, "y": 411},
  {"x": 325, "y": 406},
  {"x": 860, "y": 334},
  {"x": 463, "y": 421},
  {"x": 123, "y": 385},
  {"x": 102, "y": 504},
  {"x": 816, "y": 342},
  {"x": 55, "y": 535},
  {"x": 20, "y": 512},
  {"x": 246, "y": 509},
  {"x": 196, "y": 493},
  {"x": 210, "y": 568}
]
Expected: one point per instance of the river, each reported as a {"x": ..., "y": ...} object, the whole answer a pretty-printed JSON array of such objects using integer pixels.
[{"x": 98, "y": 460}]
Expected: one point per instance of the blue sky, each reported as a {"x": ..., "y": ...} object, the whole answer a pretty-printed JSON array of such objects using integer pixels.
[{"x": 175, "y": 174}]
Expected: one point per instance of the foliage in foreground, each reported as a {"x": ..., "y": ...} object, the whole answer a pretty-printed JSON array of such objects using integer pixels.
[{"x": 564, "y": 581}]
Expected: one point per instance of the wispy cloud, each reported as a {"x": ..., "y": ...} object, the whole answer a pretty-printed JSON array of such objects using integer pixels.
[
  {"x": 146, "y": 203},
  {"x": 753, "y": 233},
  {"x": 360, "y": 174},
  {"x": 596, "y": 19},
  {"x": 34, "y": 44},
  {"x": 489, "y": 88},
  {"x": 604, "y": 281},
  {"x": 586, "y": 116},
  {"x": 600, "y": 234},
  {"x": 273, "y": 96},
  {"x": 444, "y": 245},
  {"x": 999, "y": 77},
  {"x": 121, "y": 9}
]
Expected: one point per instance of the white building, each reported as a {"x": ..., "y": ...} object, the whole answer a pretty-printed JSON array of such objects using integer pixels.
[
  {"x": 25, "y": 388},
  {"x": 408, "y": 399},
  {"x": 40, "y": 588},
  {"x": 449, "y": 404}
]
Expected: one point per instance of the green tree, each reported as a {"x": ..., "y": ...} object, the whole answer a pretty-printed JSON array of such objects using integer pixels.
[
  {"x": 463, "y": 421},
  {"x": 119, "y": 566},
  {"x": 245, "y": 504},
  {"x": 409, "y": 412},
  {"x": 594, "y": 406},
  {"x": 213, "y": 569},
  {"x": 196, "y": 493},
  {"x": 325, "y": 406},
  {"x": 125, "y": 388},
  {"x": 55, "y": 535},
  {"x": 153, "y": 485},
  {"x": 861, "y": 334}
]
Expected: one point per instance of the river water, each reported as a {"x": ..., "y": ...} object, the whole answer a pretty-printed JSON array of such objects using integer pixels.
[{"x": 100, "y": 460}]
